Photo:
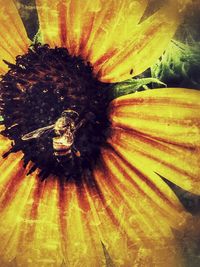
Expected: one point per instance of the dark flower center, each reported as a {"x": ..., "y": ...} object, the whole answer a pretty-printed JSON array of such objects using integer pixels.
[{"x": 55, "y": 111}]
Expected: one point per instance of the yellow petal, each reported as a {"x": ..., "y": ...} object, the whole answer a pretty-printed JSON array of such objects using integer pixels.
[
  {"x": 108, "y": 33},
  {"x": 5, "y": 143},
  {"x": 160, "y": 128},
  {"x": 82, "y": 23},
  {"x": 81, "y": 240},
  {"x": 141, "y": 49},
  {"x": 29, "y": 229},
  {"x": 66, "y": 23},
  {"x": 13, "y": 36},
  {"x": 47, "y": 223},
  {"x": 69, "y": 23},
  {"x": 11, "y": 170},
  {"x": 138, "y": 185},
  {"x": 112, "y": 29},
  {"x": 129, "y": 202},
  {"x": 39, "y": 236},
  {"x": 52, "y": 21},
  {"x": 170, "y": 115}
]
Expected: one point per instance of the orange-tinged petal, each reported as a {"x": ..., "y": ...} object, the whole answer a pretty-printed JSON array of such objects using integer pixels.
[
  {"x": 12, "y": 221},
  {"x": 68, "y": 23},
  {"x": 108, "y": 33},
  {"x": 44, "y": 223},
  {"x": 81, "y": 240},
  {"x": 9, "y": 168},
  {"x": 178, "y": 164},
  {"x": 47, "y": 223},
  {"x": 52, "y": 21},
  {"x": 5, "y": 144},
  {"x": 142, "y": 48},
  {"x": 81, "y": 23},
  {"x": 13, "y": 36},
  {"x": 170, "y": 115},
  {"x": 39, "y": 243},
  {"x": 135, "y": 184},
  {"x": 27, "y": 231},
  {"x": 129, "y": 211},
  {"x": 116, "y": 25},
  {"x": 161, "y": 129}
]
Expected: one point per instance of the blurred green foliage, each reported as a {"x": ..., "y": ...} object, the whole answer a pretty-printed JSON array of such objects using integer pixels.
[{"x": 179, "y": 66}]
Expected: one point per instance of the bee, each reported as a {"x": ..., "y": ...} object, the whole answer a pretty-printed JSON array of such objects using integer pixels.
[{"x": 64, "y": 128}]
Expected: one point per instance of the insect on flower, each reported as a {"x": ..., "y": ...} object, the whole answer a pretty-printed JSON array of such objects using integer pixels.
[{"x": 65, "y": 130}]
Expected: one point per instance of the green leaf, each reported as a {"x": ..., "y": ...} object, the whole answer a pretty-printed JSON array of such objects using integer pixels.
[
  {"x": 37, "y": 38},
  {"x": 133, "y": 85},
  {"x": 179, "y": 66}
]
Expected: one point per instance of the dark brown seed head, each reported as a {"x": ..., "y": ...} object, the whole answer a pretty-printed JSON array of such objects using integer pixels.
[{"x": 34, "y": 93}]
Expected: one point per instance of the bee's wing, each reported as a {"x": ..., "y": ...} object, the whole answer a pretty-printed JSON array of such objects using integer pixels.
[{"x": 37, "y": 133}]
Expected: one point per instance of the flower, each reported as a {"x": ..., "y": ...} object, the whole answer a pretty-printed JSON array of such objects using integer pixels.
[{"x": 120, "y": 212}]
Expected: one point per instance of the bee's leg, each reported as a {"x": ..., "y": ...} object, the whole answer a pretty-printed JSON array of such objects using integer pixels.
[
  {"x": 74, "y": 172},
  {"x": 80, "y": 124},
  {"x": 76, "y": 151},
  {"x": 72, "y": 158},
  {"x": 58, "y": 159}
]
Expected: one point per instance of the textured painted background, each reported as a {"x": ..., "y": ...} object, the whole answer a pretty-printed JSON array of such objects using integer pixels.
[{"x": 188, "y": 33}]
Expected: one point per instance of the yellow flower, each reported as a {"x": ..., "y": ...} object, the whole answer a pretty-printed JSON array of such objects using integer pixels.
[{"x": 120, "y": 212}]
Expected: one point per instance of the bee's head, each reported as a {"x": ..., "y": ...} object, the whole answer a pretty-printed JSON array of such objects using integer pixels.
[{"x": 69, "y": 113}]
